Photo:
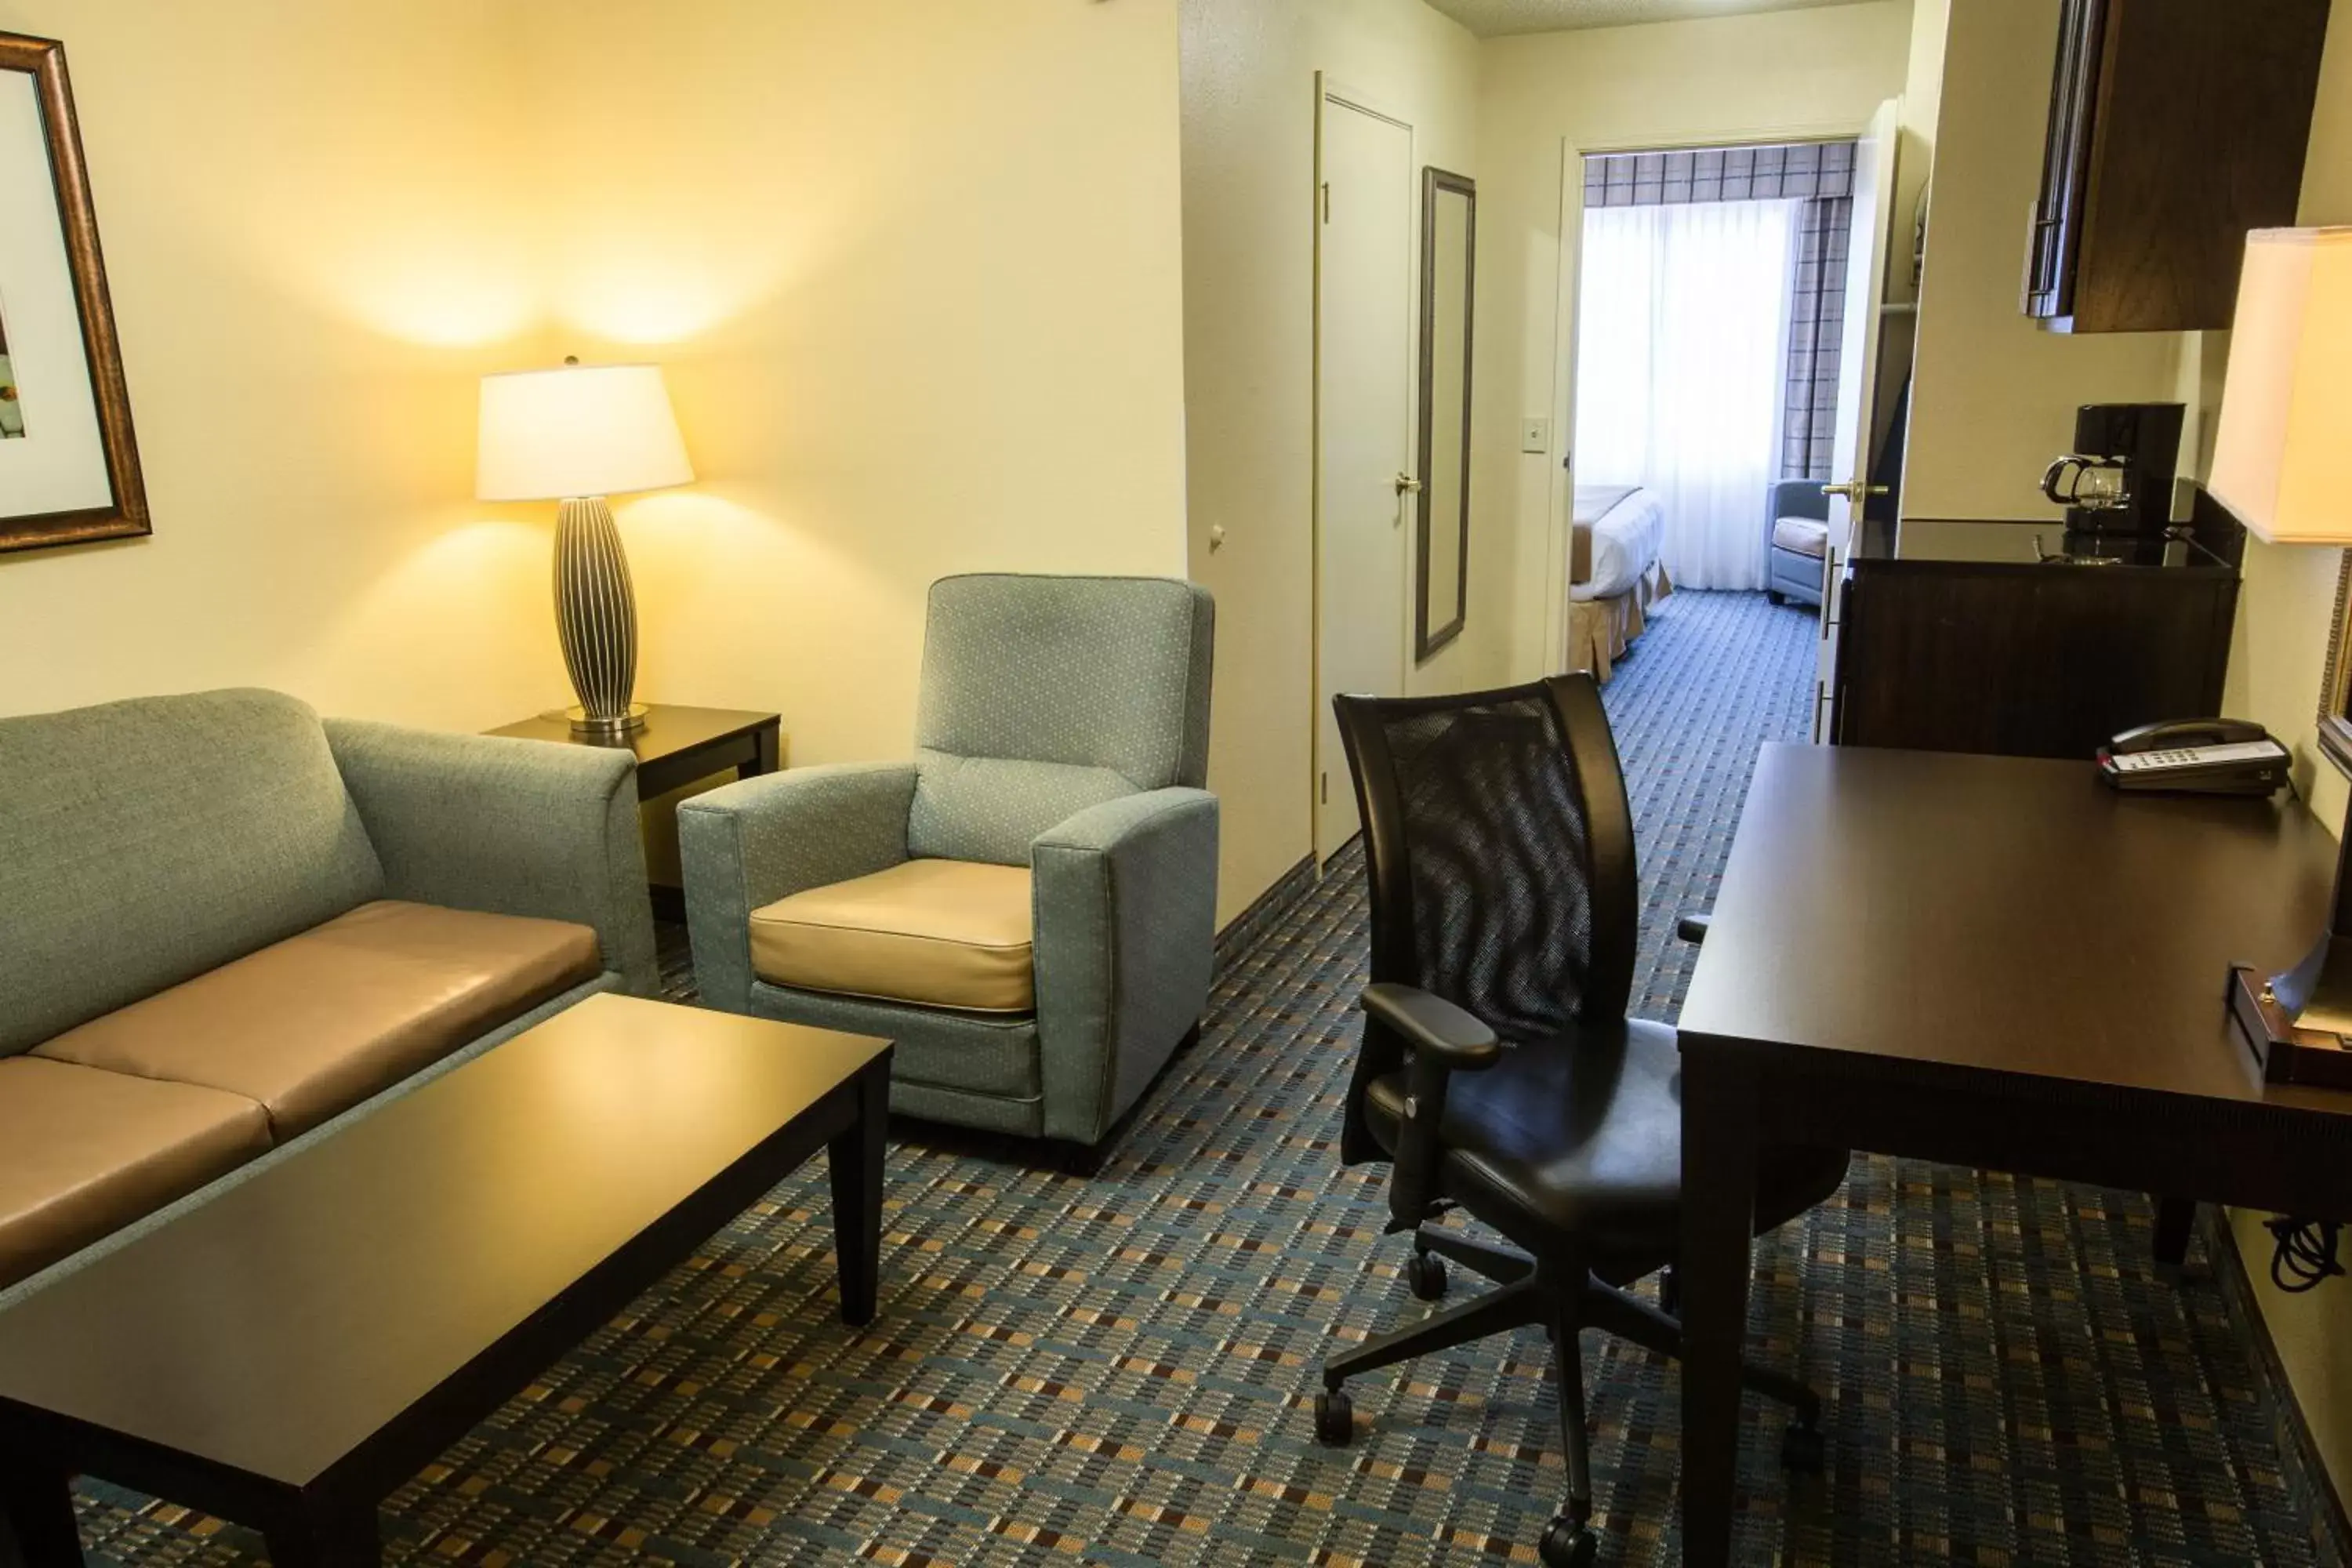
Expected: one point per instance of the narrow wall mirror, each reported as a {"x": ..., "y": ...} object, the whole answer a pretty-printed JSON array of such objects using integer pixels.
[{"x": 1449, "y": 247}]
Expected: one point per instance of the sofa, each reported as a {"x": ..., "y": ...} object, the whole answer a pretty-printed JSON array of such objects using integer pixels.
[
  {"x": 1028, "y": 907},
  {"x": 226, "y": 928},
  {"x": 1796, "y": 520}
]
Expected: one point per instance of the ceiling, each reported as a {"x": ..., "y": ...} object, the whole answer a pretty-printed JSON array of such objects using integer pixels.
[{"x": 1493, "y": 18}]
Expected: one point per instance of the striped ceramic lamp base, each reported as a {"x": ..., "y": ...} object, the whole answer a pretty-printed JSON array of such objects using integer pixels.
[{"x": 596, "y": 617}]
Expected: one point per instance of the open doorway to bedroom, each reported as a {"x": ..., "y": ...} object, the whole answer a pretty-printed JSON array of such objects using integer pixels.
[{"x": 1726, "y": 304}]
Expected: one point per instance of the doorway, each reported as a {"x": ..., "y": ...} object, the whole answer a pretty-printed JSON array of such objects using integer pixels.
[
  {"x": 1722, "y": 374},
  {"x": 1363, "y": 426}
]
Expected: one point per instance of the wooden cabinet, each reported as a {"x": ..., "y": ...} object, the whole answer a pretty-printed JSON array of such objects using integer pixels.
[
  {"x": 2027, "y": 661},
  {"x": 2175, "y": 127}
]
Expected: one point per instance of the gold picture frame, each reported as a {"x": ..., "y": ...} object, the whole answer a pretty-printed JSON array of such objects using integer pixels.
[
  {"x": 90, "y": 472},
  {"x": 2336, "y": 689}
]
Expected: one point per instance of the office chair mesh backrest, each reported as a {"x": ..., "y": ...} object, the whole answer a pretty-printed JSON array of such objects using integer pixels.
[{"x": 1500, "y": 847}]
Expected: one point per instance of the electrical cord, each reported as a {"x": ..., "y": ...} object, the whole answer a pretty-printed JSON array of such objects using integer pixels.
[{"x": 2305, "y": 1255}]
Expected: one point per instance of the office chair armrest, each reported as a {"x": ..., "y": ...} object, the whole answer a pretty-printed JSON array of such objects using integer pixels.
[
  {"x": 1442, "y": 1040},
  {"x": 1433, "y": 1026}
]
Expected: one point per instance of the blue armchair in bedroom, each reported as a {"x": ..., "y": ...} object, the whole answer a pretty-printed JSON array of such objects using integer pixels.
[
  {"x": 1797, "y": 522},
  {"x": 1027, "y": 908}
]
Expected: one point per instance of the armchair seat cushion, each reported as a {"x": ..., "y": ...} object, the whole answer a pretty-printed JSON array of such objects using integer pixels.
[
  {"x": 1801, "y": 536},
  {"x": 937, "y": 933},
  {"x": 89, "y": 1151},
  {"x": 312, "y": 1026}
]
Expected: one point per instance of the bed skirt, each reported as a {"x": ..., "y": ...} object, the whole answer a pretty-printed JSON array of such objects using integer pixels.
[{"x": 1600, "y": 630}]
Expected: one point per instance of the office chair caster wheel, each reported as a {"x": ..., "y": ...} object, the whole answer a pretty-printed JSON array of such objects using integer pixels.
[
  {"x": 1803, "y": 1449},
  {"x": 1335, "y": 1418},
  {"x": 1426, "y": 1275},
  {"x": 1567, "y": 1544}
]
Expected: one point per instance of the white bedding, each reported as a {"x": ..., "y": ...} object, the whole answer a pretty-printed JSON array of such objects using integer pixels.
[{"x": 1628, "y": 528}]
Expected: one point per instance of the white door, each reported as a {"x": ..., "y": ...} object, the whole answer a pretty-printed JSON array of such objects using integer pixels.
[
  {"x": 1868, "y": 246},
  {"x": 1364, "y": 408}
]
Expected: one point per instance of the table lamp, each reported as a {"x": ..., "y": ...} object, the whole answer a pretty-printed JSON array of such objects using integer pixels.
[
  {"x": 577, "y": 435},
  {"x": 2283, "y": 464}
]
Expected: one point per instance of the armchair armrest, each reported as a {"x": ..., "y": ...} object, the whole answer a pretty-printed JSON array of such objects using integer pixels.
[
  {"x": 746, "y": 844},
  {"x": 1126, "y": 899},
  {"x": 1442, "y": 1040},
  {"x": 1795, "y": 498},
  {"x": 507, "y": 826}
]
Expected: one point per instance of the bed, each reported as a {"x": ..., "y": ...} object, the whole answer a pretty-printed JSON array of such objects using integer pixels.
[{"x": 1614, "y": 576}]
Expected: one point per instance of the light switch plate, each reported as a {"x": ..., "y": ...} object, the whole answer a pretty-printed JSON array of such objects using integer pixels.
[{"x": 1535, "y": 436}]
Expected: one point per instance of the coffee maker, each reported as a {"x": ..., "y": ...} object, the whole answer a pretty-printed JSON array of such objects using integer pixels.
[{"x": 2116, "y": 484}]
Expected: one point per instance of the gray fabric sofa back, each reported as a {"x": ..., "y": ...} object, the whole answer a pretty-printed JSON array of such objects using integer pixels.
[
  {"x": 1043, "y": 696},
  {"x": 142, "y": 843}
]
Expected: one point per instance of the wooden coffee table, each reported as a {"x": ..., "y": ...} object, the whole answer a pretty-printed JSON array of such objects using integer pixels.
[{"x": 288, "y": 1354}]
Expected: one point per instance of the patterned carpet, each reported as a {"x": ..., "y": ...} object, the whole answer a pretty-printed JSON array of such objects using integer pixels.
[{"x": 1111, "y": 1371}]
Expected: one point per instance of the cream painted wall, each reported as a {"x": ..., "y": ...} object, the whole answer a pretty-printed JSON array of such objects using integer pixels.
[
  {"x": 1658, "y": 85},
  {"x": 2284, "y": 611},
  {"x": 317, "y": 234},
  {"x": 1995, "y": 395},
  {"x": 1248, "y": 80},
  {"x": 913, "y": 265}
]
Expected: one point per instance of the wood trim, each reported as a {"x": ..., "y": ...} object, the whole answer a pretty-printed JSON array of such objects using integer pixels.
[{"x": 45, "y": 60}]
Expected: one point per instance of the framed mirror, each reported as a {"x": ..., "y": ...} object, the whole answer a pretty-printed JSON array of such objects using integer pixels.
[
  {"x": 69, "y": 462},
  {"x": 1449, "y": 251}
]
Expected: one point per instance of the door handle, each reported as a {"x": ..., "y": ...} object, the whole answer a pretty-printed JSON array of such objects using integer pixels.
[
  {"x": 1407, "y": 485},
  {"x": 1853, "y": 491}
]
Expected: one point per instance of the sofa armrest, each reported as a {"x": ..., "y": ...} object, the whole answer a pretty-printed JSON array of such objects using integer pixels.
[
  {"x": 1126, "y": 901},
  {"x": 746, "y": 844},
  {"x": 509, "y": 827}
]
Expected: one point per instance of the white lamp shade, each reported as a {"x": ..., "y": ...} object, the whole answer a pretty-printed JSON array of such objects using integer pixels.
[
  {"x": 2283, "y": 461},
  {"x": 579, "y": 430}
]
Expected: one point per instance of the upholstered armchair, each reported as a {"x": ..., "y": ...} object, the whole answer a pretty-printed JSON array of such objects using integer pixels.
[
  {"x": 1796, "y": 520},
  {"x": 1027, "y": 908}
]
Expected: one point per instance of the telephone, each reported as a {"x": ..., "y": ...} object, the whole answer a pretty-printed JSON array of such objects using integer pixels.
[{"x": 2196, "y": 756}]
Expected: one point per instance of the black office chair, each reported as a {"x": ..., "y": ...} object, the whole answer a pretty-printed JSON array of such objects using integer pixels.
[{"x": 1498, "y": 1070}]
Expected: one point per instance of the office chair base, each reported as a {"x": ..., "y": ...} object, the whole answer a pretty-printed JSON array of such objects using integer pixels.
[
  {"x": 1335, "y": 1418},
  {"x": 1425, "y": 1274},
  {"x": 1503, "y": 1265},
  {"x": 1567, "y": 1544}
]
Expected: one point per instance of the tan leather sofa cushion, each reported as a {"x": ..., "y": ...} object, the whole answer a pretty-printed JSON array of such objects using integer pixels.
[
  {"x": 311, "y": 1025},
  {"x": 942, "y": 933},
  {"x": 83, "y": 1153},
  {"x": 1801, "y": 536}
]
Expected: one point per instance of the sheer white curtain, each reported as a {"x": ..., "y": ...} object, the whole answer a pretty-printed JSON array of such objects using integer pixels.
[{"x": 1681, "y": 338}]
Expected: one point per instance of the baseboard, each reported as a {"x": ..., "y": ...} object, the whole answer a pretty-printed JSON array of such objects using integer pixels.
[
  {"x": 1245, "y": 929},
  {"x": 2294, "y": 1435}
]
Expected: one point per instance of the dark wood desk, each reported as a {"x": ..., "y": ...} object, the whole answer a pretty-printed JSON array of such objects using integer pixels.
[
  {"x": 1989, "y": 962},
  {"x": 289, "y": 1354}
]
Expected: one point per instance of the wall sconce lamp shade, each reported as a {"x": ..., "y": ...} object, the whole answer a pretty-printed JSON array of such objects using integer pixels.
[
  {"x": 577, "y": 435},
  {"x": 2283, "y": 461}
]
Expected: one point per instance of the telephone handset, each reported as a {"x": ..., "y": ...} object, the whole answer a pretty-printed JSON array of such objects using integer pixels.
[{"x": 2196, "y": 756}]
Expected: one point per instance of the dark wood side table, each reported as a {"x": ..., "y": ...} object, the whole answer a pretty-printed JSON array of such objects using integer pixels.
[
  {"x": 678, "y": 746},
  {"x": 289, "y": 1354},
  {"x": 1988, "y": 962}
]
